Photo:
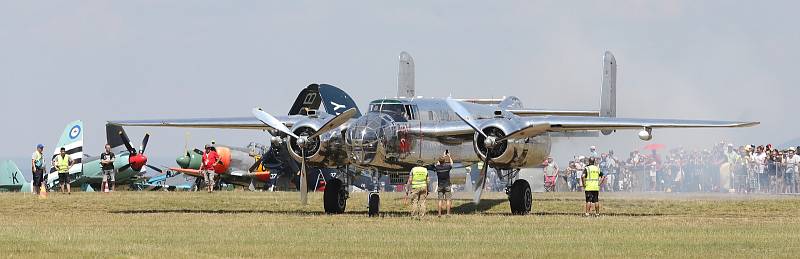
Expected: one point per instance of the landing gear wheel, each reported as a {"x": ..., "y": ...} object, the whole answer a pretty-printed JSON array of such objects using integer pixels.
[
  {"x": 374, "y": 204},
  {"x": 520, "y": 197},
  {"x": 335, "y": 197}
]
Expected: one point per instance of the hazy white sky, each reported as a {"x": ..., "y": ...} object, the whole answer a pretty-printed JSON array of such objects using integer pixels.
[{"x": 112, "y": 60}]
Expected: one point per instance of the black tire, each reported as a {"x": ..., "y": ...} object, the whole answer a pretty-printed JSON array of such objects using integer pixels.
[
  {"x": 374, "y": 204},
  {"x": 335, "y": 197},
  {"x": 520, "y": 198}
]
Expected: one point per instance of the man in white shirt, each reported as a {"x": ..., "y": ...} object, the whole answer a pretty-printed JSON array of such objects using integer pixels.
[
  {"x": 792, "y": 161},
  {"x": 760, "y": 159}
]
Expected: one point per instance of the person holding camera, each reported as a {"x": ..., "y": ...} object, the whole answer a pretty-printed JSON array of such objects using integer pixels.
[{"x": 444, "y": 192}]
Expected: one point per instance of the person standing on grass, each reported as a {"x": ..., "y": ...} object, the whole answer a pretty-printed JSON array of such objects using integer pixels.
[
  {"x": 792, "y": 161},
  {"x": 591, "y": 180},
  {"x": 418, "y": 184},
  {"x": 107, "y": 164},
  {"x": 210, "y": 159},
  {"x": 62, "y": 163},
  {"x": 37, "y": 168},
  {"x": 444, "y": 192}
]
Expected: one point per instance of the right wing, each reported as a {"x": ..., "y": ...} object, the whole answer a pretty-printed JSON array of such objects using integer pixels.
[{"x": 189, "y": 172}]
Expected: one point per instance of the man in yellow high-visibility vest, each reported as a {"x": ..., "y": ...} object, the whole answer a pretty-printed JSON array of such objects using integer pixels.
[
  {"x": 592, "y": 179},
  {"x": 418, "y": 185},
  {"x": 62, "y": 162}
]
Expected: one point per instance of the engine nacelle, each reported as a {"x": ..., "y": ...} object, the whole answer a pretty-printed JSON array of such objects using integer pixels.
[
  {"x": 327, "y": 150},
  {"x": 646, "y": 134},
  {"x": 512, "y": 153}
]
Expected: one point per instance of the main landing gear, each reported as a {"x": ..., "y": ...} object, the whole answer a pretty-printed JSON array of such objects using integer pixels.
[
  {"x": 518, "y": 191},
  {"x": 336, "y": 195}
]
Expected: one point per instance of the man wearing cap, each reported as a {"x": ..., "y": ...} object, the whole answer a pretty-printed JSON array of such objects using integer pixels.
[
  {"x": 37, "y": 168},
  {"x": 418, "y": 184},
  {"x": 210, "y": 159},
  {"x": 789, "y": 177},
  {"x": 550, "y": 174},
  {"x": 62, "y": 163}
]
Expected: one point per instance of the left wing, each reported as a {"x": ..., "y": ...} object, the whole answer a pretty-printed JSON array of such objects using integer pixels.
[
  {"x": 572, "y": 123},
  {"x": 532, "y": 126}
]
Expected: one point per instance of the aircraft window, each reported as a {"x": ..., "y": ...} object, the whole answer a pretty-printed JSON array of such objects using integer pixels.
[
  {"x": 396, "y": 108},
  {"x": 430, "y": 115},
  {"x": 410, "y": 113}
]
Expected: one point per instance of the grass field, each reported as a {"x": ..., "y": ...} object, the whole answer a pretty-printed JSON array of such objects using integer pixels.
[{"x": 244, "y": 224}]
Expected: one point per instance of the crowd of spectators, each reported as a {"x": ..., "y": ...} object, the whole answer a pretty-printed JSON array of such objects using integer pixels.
[{"x": 725, "y": 167}]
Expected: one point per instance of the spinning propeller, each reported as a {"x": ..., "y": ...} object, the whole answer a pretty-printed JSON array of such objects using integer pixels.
[
  {"x": 493, "y": 139},
  {"x": 302, "y": 141}
]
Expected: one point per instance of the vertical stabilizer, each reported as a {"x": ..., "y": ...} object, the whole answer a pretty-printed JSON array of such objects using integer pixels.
[
  {"x": 608, "y": 90},
  {"x": 114, "y": 139},
  {"x": 405, "y": 78},
  {"x": 11, "y": 178}
]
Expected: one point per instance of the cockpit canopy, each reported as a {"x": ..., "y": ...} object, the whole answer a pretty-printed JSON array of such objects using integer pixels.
[{"x": 398, "y": 110}]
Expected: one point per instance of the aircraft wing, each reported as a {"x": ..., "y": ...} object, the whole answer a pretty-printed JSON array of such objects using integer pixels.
[
  {"x": 249, "y": 174},
  {"x": 189, "y": 172},
  {"x": 535, "y": 125},
  {"x": 210, "y": 123},
  {"x": 572, "y": 123}
]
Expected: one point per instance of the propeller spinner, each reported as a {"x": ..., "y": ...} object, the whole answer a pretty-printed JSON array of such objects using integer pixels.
[{"x": 136, "y": 160}]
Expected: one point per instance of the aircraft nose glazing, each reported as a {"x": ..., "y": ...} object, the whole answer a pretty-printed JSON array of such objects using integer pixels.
[{"x": 366, "y": 135}]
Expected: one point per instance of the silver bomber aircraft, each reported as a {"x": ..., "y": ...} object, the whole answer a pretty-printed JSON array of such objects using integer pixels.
[{"x": 397, "y": 134}]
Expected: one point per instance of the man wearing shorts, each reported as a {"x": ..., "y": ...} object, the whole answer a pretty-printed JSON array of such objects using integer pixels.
[
  {"x": 37, "y": 168},
  {"x": 591, "y": 179},
  {"x": 210, "y": 159},
  {"x": 62, "y": 163},
  {"x": 109, "y": 174},
  {"x": 444, "y": 191}
]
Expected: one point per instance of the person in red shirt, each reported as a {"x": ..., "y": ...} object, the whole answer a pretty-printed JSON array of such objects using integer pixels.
[{"x": 210, "y": 159}]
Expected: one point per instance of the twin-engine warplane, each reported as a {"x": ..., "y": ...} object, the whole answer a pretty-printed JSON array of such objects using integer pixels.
[{"x": 397, "y": 134}]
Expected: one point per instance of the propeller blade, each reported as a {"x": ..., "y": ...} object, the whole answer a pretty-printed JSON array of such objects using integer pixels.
[
  {"x": 526, "y": 132},
  {"x": 303, "y": 180},
  {"x": 464, "y": 115},
  {"x": 144, "y": 142},
  {"x": 155, "y": 168},
  {"x": 479, "y": 185},
  {"x": 335, "y": 122},
  {"x": 273, "y": 122},
  {"x": 127, "y": 142}
]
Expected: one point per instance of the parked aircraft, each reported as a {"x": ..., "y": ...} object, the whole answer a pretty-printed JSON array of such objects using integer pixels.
[
  {"x": 399, "y": 133},
  {"x": 11, "y": 178},
  {"x": 86, "y": 172}
]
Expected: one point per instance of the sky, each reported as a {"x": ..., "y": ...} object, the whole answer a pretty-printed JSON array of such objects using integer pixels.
[{"x": 115, "y": 60}]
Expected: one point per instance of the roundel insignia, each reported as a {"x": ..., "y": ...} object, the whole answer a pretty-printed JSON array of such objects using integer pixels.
[{"x": 75, "y": 131}]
